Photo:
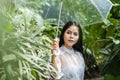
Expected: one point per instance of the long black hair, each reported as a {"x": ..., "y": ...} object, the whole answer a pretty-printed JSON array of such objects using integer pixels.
[{"x": 78, "y": 45}]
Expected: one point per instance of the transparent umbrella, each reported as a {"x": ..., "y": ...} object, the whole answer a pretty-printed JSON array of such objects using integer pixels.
[{"x": 86, "y": 12}]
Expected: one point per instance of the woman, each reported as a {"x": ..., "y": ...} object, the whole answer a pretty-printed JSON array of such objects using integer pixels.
[{"x": 67, "y": 54}]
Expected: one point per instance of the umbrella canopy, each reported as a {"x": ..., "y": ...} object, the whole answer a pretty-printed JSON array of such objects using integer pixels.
[{"x": 85, "y": 12}]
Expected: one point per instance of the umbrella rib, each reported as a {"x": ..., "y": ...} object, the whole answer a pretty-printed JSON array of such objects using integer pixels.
[{"x": 104, "y": 19}]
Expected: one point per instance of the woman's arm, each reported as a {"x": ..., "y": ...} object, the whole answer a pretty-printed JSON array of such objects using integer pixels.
[
  {"x": 55, "y": 50},
  {"x": 56, "y": 59},
  {"x": 53, "y": 61}
]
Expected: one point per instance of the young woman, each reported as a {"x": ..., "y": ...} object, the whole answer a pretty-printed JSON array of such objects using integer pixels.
[{"x": 67, "y": 55}]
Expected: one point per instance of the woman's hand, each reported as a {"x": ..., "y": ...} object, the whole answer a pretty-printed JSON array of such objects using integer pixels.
[{"x": 55, "y": 44}]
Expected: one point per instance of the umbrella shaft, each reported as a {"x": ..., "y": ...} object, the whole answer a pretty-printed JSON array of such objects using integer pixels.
[{"x": 59, "y": 18}]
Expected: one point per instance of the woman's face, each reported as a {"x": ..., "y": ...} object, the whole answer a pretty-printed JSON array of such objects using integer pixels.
[{"x": 71, "y": 36}]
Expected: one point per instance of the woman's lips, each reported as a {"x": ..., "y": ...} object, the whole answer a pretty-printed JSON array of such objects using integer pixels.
[{"x": 70, "y": 40}]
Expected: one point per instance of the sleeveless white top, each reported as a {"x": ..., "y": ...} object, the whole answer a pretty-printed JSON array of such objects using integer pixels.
[{"x": 71, "y": 66}]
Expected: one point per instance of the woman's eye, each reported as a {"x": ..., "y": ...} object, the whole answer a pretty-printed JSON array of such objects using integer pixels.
[
  {"x": 68, "y": 32},
  {"x": 75, "y": 34}
]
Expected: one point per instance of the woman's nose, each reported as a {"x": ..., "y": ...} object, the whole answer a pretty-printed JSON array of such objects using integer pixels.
[{"x": 71, "y": 36}]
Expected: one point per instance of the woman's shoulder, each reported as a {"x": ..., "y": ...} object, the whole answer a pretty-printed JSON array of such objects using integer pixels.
[
  {"x": 61, "y": 50},
  {"x": 79, "y": 54}
]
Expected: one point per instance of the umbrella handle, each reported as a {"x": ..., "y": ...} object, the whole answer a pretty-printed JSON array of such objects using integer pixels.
[{"x": 59, "y": 18}]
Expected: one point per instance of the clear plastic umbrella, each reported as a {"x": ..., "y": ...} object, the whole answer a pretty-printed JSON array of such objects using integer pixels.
[{"x": 86, "y": 12}]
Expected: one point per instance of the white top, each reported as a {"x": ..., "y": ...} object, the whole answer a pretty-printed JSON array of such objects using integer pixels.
[{"x": 71, "y": 65}]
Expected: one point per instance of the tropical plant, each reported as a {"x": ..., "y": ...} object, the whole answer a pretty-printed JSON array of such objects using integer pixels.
[
  {"x": 101, "y": 44},
  {"x": 25, "y": 51}
]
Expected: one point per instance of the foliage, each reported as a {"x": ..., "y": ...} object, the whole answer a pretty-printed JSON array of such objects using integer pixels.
[
  {"x": 101, "y": 44},
  {"x": 24, "y": 49},
  {"x": 110, "y": 77}
]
